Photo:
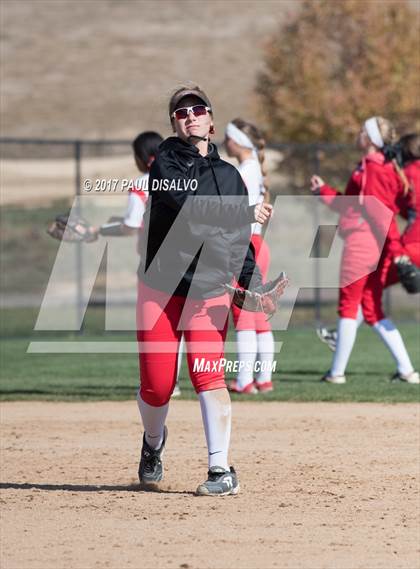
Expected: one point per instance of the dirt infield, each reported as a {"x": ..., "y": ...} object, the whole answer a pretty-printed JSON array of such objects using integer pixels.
[{"x": 323, "y": 485}]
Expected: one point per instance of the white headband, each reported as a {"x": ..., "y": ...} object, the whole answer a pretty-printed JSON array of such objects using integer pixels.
[
  {"x": 238, "y": 136},
  {"x": 372, "y": 129}
]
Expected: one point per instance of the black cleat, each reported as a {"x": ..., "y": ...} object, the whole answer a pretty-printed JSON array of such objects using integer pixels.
[
  {"x": 220, "y": 482},
  {"x": 151, "y": 467}
]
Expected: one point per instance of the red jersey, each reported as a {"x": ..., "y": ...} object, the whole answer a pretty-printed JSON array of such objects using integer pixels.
[
  {"x": 412, "y": 203},
  {"x": 351, "y": 217},
  {"x": 354, "y": 216},
  {"x": 381, "y": 180}
]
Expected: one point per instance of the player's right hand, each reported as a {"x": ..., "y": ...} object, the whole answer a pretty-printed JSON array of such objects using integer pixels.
[{"x": 263, "y": 212}]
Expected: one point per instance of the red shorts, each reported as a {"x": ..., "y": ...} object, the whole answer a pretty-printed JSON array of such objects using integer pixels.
[
  {"x": 368, "y": 291},
  {"x": 360, "y": 257},
  {"x": 350, "y": 297},
  {"x": 243, "y": 319},
  {"x": 386, "y": 275},
  {"x": 359, "y": 253},
  {"x": 161, "y": 321}
]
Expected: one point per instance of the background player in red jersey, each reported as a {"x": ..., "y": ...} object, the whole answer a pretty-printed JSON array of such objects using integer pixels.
[
  {"x": 409, "y": 156},
  {"x": 360, "y": 225},
  {"x": 410, "y": 208}
]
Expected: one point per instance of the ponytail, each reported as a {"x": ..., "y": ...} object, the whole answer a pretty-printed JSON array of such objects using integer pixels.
[
  {"x": 258, "y": 140},
  {"x": 402, "y": 176},
  {"x": 261, "y": 159}
]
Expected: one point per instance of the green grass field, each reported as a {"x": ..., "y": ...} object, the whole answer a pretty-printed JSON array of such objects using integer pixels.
[{"x": 301, "y": 362}]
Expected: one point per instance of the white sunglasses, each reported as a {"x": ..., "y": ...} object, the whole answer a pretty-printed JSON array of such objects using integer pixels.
[{"x": 196, "y": 110}]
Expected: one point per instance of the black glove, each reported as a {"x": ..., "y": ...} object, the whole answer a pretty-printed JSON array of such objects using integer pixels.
[{"x": 408, "y": 274}]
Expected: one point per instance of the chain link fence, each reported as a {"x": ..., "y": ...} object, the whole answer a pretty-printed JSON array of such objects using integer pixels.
[{"x": 41, "y": 178}]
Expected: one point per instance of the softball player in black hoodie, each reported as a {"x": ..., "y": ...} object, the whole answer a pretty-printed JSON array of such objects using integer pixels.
[{"x": 197, "y": 239}]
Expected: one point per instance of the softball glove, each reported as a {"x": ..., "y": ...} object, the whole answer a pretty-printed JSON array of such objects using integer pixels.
[
  {"x": 264, "y": 298},
  {"x": 71, "y": 228},
  {"x": 408, "y": 274}
]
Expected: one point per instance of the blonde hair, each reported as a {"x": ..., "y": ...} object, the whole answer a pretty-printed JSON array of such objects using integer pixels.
[
  {"x": 258, "y": 140},
  {"x": 387, "y": 130}
]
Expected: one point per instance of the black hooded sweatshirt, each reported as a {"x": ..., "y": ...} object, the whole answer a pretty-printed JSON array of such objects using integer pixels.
[{"x": 196, "y": 234}]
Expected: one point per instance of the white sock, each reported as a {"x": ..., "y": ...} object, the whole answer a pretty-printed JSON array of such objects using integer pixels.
[
  {"x": 153, "y": 421},
  {"x": 216, "y": 413},
  {"x": 265, "y": 341},
  {"x": 246, "y": 347},
  {"x": 359, "y": 318},
  {"x": 346, "y": 336},
  {"x": 392, "y": 339}
]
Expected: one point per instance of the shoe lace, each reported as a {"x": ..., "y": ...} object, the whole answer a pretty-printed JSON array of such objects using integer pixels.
[{"x": 214, "y": 476}]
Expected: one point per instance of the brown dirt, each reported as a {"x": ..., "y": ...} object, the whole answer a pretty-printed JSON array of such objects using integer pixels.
[{"x": 323, "y": 485}]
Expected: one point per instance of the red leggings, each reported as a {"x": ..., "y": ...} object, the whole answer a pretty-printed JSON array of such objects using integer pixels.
[
  {"x": 243, "y": 319},
  {"x": 359, "y": 264},
  {"x": 368, "y": 290},
  {"x": 204, "y": 325}
]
